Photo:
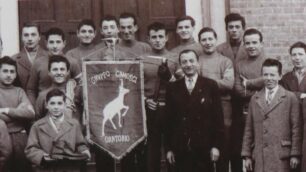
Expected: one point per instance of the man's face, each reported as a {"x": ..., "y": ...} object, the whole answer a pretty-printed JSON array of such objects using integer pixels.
[
  {"x": 109, "y": 29},
  {"x": 7, "y": 74},
  {"x": 253, "y": 45},
  {"x": 298, "y": 57},
  {"x": 127, "y": 28},
  {"x": 86, "y": 34},
  {"x": 208, "y": 42},
  {"x": 58, "y": 72},
  {"x": 271, "y": 76},
  {"x": 30, "y": 37},
  {"x": 184, "y": 29},
  {"x": 55, "y": 44},
  {"x": 235, "y": 30},
  {"x": 189, "y": 63},
  {"x": 56, "y": 106},
  {"x": 158, "y": 39}
]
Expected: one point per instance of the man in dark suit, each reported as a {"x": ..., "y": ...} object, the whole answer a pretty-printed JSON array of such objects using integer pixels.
[{"x": 194, "y": 127}]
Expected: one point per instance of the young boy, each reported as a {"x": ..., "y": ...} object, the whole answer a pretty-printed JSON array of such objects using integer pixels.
[
  {"x": 55, "y": 141},
  {"x": 16, "y": 111}
]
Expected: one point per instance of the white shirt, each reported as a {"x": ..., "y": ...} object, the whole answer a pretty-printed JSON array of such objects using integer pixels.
[{"x": 273, "y": 94}]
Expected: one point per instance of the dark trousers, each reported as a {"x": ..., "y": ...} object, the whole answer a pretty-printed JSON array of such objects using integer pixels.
[
  {"x": 191, "y": 161},
  {"x": 18, "y": 161},
  {"x": 155, "y": 123},
  {"x": 104, "y": 162}
]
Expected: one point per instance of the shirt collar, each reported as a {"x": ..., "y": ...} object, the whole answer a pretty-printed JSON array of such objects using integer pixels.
[{"x": 194, "y": 78}]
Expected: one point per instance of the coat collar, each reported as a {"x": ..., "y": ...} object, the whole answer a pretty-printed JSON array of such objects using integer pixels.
[
  {"x": 24, "y": 61},
  {"x": 45, "y": 126},
  {"x": 260, "y": 99}
]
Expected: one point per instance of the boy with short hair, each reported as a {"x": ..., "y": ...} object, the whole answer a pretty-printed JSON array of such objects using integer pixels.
[
  {"x": 16, "y": 111},
  {"x": 55, "y": 141}
]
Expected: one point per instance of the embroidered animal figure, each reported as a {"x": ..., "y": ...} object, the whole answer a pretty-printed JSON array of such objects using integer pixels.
[{"x": 115, "y": 107}]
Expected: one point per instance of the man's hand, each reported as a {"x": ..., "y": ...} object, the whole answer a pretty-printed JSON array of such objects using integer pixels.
[
  {"x": 4, "y": 111},
  {"x": 214, "y": 154},
  {"x": 294, "y": 162},
  {"x": 244, "y": 80},
  {"x": 151, "y": 104},
  {"x": 170, "y": 157},
  {"x": 303, "y": 96},
  {"x": 164, "y": 71},
  {"x": 248, "y": 164},
  {"x": 87, "y": 153}
]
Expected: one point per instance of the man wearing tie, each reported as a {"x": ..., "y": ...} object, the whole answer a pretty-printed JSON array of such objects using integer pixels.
[
  {"x": 194, "y": 127},
  {"x": 273, "y": 132}
]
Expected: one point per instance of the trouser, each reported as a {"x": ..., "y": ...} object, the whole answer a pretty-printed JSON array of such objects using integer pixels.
[
  {"x": 155, "y": 122},
  {"x": 104, "y": 162},
  {"x": 18, "y": 161},
  {"x": 192, "y": 161},
  {"x": 135, "y": 160}
]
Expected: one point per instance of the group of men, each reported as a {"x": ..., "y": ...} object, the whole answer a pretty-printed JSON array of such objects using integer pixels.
[{"x": 209, "y": 106}]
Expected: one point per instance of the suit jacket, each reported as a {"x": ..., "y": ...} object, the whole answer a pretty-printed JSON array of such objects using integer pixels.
[
  {"x": 194, "y": 121},
  {"x": 43, "y": 139},
  {"x": 290, "y": 82},
  {"x": 273, "y": 133},
  {"x": 24, "y": 65}
]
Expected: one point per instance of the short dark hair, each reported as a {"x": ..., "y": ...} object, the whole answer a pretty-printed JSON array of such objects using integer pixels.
[
  {"x": 298, "y": 44},
  {"x": 188, "y": 51},
  {"x": 55, "y": 31},
  {"x": 54, "y": 93},
  {"x": 272, "y": 62},
  {"x": 253, "y": 31},
  {"x": 88, "y": 22},
  {"x": 31, "y": 24},
  {"x": 207, "y": 29},
  {"x": 109, "y": 18},
  {"x": 125, "y": 15},
  {"x": 57, "y": 59},
  {"x": 8, "y": 60},
  {"x": 234, "y": 17},
  {"x": 182, "y": 18},
  {"x": 157, "y": 26}
]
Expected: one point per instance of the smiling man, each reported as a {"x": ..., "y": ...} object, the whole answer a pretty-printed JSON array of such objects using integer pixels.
[
  {"x": 194, "y": 125},
  {"x": 215, "y": 66},
  {"x": 184, "y": 29},
  {"x": 128, "y": 28},
  {"x": 273, "y": 131},
  {"x": 86, "y": 33},
  {"x": 295, "y": 81},
  {"x": 59, "y": 70},
  {"x": 30, "y": 37},
  {"x": 39, "y": 78}
]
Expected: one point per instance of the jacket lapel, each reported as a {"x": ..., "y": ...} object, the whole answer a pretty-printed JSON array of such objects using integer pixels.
[
  {"x": 47, "y": 128},
  {"x": 65, "y": 127},
  {"x": 24, "y": 61},
  {"x": 278, "y": 98},
  {"x": 261, "y": 99}
]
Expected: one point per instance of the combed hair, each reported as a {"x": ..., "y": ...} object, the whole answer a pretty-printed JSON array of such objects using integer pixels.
[
  {"x": 273, "y": 62},
  {"x": 207, "y": 29},
  {"x": 126, "y": 15},
  {"x": 57, "y": 59},
  {"x": 55, "y": 31},
  {"x": 54, "y": 93},
  {"x": 88, "y": 22},
  {"x": 298, "y": 44},
  {"x": 156, "y": 26},
  {"x": 32, "y": 24},
  {"x": 234, "y": 17},
  {"x": 253, "y": 31},
  {"x": 182, "y": 18},
  {"x": 109, "y": 18},
  {"x": 188, "y": 51}
]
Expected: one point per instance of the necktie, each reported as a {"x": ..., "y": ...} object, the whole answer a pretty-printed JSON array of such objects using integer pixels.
[
  {"x": 269, "y": 97},
  {"x": 190, "y": 85}
]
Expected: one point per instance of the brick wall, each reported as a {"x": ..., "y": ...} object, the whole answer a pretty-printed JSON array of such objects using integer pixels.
[{"x": 282, "y": 23}]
